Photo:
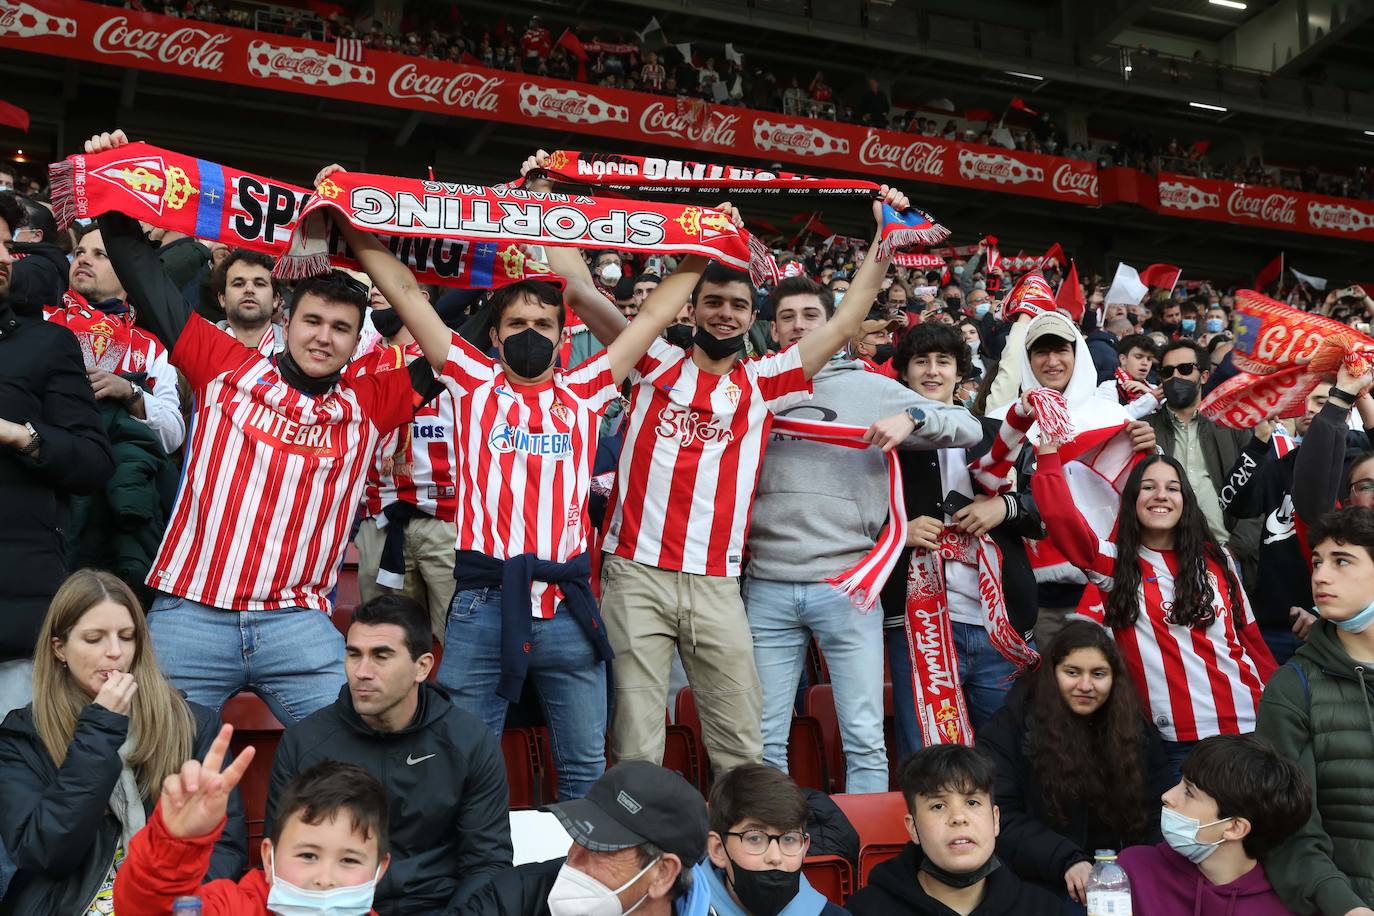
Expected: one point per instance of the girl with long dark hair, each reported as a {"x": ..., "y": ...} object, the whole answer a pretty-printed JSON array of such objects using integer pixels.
[
  {"x": 1079, "y": 767},
  {"x": 1172, "y": 601}
]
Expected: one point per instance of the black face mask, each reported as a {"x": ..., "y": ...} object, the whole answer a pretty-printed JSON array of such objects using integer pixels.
[
  {"x": 679, "y": 335},
  {"x": 716, "y": 347},
  {"x": 765, "y": 893},
  {"x": 966, "y": 879},
  {"x": 387, "y": 322},
  {"x": 1180, "y": 392},
  {"x": 1171, "y": 327},
  {"x": 954, "y": 303},
  {"x": 528, "y": 353},
  {"x": 883, "y": 352},
  {"x": 293, "y": 375}
]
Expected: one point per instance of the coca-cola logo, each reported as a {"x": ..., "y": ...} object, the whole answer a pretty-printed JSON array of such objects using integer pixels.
[
  {"x": 1068, "y": 180},
  {"x": 1272, "y": 208},
  {"x": 1340, "y": 218},
  {"x": 716, "y": 127},
  {"x": 285, "y": 62},
  {"x": 919, "y": 157},
  {"x": 471, "y": 91},
  {"x": 997, "y": 167},
  {"x": 185, "y": 47},
  {"x": 562, "y": 104}
]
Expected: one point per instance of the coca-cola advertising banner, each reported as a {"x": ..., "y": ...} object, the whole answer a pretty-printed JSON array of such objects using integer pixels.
[
  {"x": 87, "y": 31},
  {"x": 1270, "y": 208}
]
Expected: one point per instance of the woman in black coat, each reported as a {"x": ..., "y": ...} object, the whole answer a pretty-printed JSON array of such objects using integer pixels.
[
  {"x": 1079, "y": 767},
  {"x": 82, "y": 766}
]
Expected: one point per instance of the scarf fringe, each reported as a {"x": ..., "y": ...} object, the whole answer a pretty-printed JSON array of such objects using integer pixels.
[
  {"x": 907, "y": 237},
  {"x": 62, "y": 189},
  {"x": 1052, "y": 413},
  {"x": 301, "y": 266}
]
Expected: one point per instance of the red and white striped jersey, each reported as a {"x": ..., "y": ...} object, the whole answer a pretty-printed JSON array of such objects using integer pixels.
[
  {"x": 273, "y": 339},
  {"x": 1194, "y": 681},
  {"x": 114, "y": 343},
  {"x": 415, "y": 462},
  {"x": 525, "y": 457},
  {"x": 693, "y": 445},
  {"x": 271, "y": 479}
]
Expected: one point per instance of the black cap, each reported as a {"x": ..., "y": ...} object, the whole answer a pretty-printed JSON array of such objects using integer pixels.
[{"x": 634, "y": 803}]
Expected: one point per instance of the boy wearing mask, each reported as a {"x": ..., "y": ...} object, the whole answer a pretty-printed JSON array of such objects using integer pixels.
[
  {"x": 949, "y": 865},
  {"x": 1237, "y": 800},
  {"x": 757, "y": 844}
]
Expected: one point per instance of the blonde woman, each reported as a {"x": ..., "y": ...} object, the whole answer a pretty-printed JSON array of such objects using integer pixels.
[{"x": 82, "y": 766}]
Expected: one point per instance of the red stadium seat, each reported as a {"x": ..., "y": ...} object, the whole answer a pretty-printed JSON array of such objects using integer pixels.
[
  {"x": 682, "y": 754},
  {"x": 878, "y": 818},
  {"x": 816, "y": 670},
  {"x": 685, "y": 714},
  {"x": 819, "y": 702},
  {"x": 254, "y": 725},
  {"x": 806, "y": 754},
  {"x": 521, "y": 752},
  {"x": 831, "y": 875}
]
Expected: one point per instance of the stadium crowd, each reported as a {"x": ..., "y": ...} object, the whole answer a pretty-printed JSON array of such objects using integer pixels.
[{"x": 1108, "y": 621}]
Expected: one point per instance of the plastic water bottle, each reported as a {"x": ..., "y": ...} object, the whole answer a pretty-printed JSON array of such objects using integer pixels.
[
  {"x": 186, "y": 906},
  {"x": 1109, "y": 890}
]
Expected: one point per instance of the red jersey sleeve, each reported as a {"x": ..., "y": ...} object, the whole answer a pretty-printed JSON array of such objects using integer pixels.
[
  {"x": 592, "y": 382},
  {"x": 660, "y": 354},
  {"x": 1065, "y": 525},
  {"x": 466, "y": 367},
  {"x": 203, "y": 351},
  {"x": 781, "y": 379},
  {"x": 387, "y": 391}
]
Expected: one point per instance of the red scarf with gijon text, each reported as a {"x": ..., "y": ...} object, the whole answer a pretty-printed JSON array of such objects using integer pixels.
[
  {"x": 206, "y": 200},
  {"x": 450, "y": 211}
]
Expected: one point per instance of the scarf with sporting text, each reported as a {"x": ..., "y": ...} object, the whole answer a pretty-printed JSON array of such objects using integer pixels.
[
  {"x": 456, "y": 212},
  {"x": 210, "y": 201},
  {"x": 618, "y": 172}
]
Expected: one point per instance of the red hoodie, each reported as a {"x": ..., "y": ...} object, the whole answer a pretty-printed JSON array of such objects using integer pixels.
[
  {"x": 1164, "y": 883},
  {"x": 160, "y": 868}
]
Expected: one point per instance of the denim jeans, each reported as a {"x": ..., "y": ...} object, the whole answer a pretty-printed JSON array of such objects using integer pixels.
[
  {"x": 568, "y": 676},
  {"x": 782, "y": 617},
  {"x": 292, "y": 658},
  {"x": 1174, "y": 752},
  {"x": 984, "y": 676}
]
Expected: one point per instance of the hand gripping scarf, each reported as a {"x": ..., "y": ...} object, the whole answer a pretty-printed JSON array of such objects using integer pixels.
[
  {"x": 934, "y": 664},
  {"x": 639, "y": 173},
  {"x": 1283, "y": 353},
  {"x": 210, "y": 201},
  {"x": 1030, "y": 296},
  {"x": 452, "y": 212}
]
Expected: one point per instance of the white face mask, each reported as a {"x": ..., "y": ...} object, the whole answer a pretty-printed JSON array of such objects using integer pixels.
[
  {"x": 577, "y": 893},
  {"x": 285, "y": 899},
  {"x": 610, "y": 274}
]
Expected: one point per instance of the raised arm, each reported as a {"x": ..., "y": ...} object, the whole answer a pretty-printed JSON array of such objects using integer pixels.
[
  {"x": 580, "y": 294},
  {"x": 398, "y": 284},
  {"x": 657, "y": 313},
  {"x": 817, "y": 347},
  {"x": 1320, "y": 466}
]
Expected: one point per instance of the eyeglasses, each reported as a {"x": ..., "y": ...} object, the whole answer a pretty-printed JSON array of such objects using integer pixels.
[
  {"x": 1363, "y": 487},
  {"x": 1180, "y": 368},
  {"x": 756, "y": 841}
]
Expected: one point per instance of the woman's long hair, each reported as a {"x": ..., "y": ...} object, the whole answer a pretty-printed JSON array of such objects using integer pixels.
[
  {"x": 1091, "y": 762},
  {"x": 160, "y": 717},
  {"x": 1193, "y": 547}
]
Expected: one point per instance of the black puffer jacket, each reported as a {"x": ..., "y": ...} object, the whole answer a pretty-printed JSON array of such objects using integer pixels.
[
  {"x": 43, "y": 382},
  {"x": 446, "y": 781},
  {"x": 894, "y": 888},
  {"x": 39, "y": 275},
  {"x": 1028, "y": 844},
  {"x": 56, "y": 822}
]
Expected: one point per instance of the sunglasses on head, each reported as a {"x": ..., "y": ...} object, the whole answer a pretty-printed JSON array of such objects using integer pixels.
[
  {"x": 353, "y": 283},
  {"x": 1180, "y": 368}
]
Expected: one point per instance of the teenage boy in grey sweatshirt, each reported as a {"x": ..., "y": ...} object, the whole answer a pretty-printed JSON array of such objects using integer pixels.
[{"x": 818, "y": 510}]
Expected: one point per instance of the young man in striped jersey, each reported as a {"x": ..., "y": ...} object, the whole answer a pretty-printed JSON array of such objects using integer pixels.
[{"x": 525, "y": 436}]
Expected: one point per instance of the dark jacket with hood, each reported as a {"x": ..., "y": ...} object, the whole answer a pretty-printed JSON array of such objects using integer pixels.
[
  {"x": 39, "y": 275},
  {"x": 43, "y": 382},
  {"x": 894, "y": 888},
  {"x": 1102, "y": 345},
  {"x": 56, "y": 822},
  {"x": 1164, "y": 883},
  {"x": 922, "y": 487},
  {"x": 1319, "y": 710},
  {"x": 445, "y": 779},
  {"x": 1029, "y": 844}
]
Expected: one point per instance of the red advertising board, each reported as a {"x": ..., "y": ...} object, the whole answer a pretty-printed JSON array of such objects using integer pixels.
[{"x": 1270, "y": 208}]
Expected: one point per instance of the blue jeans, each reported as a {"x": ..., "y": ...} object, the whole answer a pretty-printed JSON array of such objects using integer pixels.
[
  {"x": 984, "y": 675},
  {"x": 568, "y": 676},
  {"x": 1282, "y": 643},
  {"x": 1174, "y": 752},
  {"x": 782, "y": 618},
  {"x": 292, "y": 658}
]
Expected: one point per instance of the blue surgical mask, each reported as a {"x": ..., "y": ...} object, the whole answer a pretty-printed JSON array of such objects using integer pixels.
[
  {"x": 1189, "y": 325},
  {"x": 285, "y": 899},
  {"x": 1180, "y": 832},
  {"x": 982, "y": 309},
  {"x": 1360, "y": 622},
  {"x": 957, "y": 270},
  {"x": 1214, "y": 325}
]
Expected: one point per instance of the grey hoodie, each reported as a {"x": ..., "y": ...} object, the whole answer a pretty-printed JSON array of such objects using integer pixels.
[{"x": 819, "y": 508}]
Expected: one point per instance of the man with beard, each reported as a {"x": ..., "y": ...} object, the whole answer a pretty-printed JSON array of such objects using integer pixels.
[{"x": 249, "y": 296}]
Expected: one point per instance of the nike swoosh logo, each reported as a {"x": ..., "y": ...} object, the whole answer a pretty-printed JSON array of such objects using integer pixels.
[{"x": 411, "y": 761}]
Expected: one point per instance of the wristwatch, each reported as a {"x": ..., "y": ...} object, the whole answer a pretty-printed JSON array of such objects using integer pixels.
[
  {"x": 35, "y": 440},
  {"x": 917, "y": 417},
  {"x": 137, "y": 393}
]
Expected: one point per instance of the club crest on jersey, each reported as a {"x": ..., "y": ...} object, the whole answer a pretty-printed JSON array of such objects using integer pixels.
[
  {"x": 506, "y": 438},
  {"x": 561, "y": 412},
  {"x": 732, "y": 392}
]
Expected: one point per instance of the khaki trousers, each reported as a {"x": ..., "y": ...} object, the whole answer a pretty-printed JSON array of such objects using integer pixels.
[
  {"x": 429, "y": 565},
  {"x": 647, "y": 612}
]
